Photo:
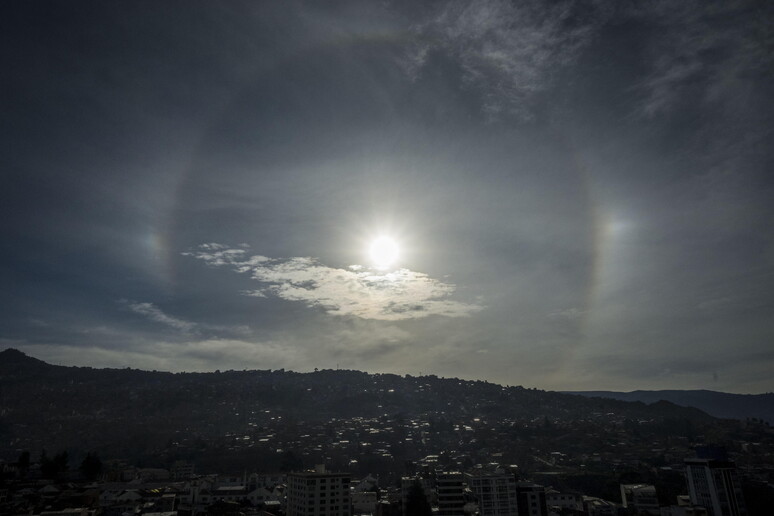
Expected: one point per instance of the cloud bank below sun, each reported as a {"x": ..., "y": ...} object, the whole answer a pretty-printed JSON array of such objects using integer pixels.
[{"x": 355, "y": 291}]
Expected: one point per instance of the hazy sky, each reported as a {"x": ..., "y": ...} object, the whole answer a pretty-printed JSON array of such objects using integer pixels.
[{"x": 582, "y": 192}]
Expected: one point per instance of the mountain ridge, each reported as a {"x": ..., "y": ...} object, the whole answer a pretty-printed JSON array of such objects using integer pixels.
[
  {"x": 716, "y": 403},
  {"x": 15, "y": 356},
  {"x": 235, "y": 418}
]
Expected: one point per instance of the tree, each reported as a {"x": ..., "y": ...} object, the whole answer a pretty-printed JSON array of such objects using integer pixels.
[
  {"x": 416, "y": 501},
  {"x": 61, "y": 460},
  {"x": 91, "y": 467},
  {"x": 23, "y": 463},
  {"x": 52, "y": 469},
  {"x": 291, "y": 461},
  {"x": 47, "y": 469}
]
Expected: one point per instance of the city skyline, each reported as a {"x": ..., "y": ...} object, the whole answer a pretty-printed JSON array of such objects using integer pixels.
[{"x": 570, "y": 195}]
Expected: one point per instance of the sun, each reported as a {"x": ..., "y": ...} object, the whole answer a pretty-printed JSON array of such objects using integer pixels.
[{"x": 383, "y": 252}]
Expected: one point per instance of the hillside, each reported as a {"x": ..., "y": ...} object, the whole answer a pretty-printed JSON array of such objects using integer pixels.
[
  {"x": 718, "y": 404},
  {"x": 281, "y": 418}
]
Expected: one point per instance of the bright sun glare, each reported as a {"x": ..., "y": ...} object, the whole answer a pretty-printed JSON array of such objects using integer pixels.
[{"x": 384, "y": 252}]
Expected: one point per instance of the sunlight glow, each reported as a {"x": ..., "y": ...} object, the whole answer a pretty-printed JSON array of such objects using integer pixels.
[{"x": 383, "y": 252}]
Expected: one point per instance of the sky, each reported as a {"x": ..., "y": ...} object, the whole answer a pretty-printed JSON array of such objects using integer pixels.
[{"x": 580, "y": 191}]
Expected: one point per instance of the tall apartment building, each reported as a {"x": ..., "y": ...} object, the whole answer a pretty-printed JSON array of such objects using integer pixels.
[
  {"x": 318, "y": 493},
  {"x": 450, "y": 493},
  {"x": 531, "y": 499},
  {"x": 495, "y": 492},
  {"x": 714, "y": 484}
]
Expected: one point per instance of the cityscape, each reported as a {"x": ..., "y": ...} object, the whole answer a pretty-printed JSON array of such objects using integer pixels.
[
  {"x": 386, "y": 258},
  {"x": 344, "y": 443}
]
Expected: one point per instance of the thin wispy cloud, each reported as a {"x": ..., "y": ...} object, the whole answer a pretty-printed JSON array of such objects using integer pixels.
[
  {"x": 155, "y": 314},
  {"x": 193, "y": 355},
  {"x": 510, "y": 52},
  {"x": 506, "y": 50},
  {"x": 356, "y": 291},
  {"x": 706, "y": 51},
  {"x": 570, "y": 314}
]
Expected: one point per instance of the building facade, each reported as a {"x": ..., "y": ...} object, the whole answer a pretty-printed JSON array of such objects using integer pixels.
[
  {"x": 318, "y": 493},
  {"x": 531, "y": 499},
  {"x": 495, "y": 492},
  {"x": 714, "y": 484},
  {"x": 640, "y": 497},
  {"x": 450, "y": 493}
]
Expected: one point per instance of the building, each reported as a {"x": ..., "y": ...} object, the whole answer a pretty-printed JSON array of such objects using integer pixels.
[
  {"x": 425, "y": 481},
  {"x": 598, "y": 507},
  {"x": 683, "y": 510},
  {"x": 450, "y": 493},
  {"x": 495, "y": 492},
  {"x": 558, "y": 501},
  {"x": 318, "y": 493},
  {"x": 531, "y": 499},
  {"x": 714, "y": 484},
  {"x": 369, "y": 483},
  {"x": 182, "y": 470},
  {"x": 364, "y": 502},
  {"x": 640, "y": 497}
]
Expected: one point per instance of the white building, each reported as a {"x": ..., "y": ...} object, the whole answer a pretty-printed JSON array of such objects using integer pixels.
[
  {"x": 495, "y": 492},
  {"x": 318, "y": 493}
]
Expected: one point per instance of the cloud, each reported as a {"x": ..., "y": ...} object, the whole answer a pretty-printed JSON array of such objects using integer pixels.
[
  {"x": 153, "y": 313},
  {"x": 701, "y": 54},
  {"x": 571, "y": 314},
  {"x": 355, "y": 344},
  {"x": 355, "y": 291},
  {"x": 195, "y": 355},
  {"x": 511, "y": 52},
  {"x": 508, "y": 51}
]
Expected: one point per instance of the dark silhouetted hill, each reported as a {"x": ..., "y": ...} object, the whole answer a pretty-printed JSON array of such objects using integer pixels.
[
  {"x": 12, "y": 359},
  {"x": 133, "y": 413},
  {"x": 718, "y": 404}
]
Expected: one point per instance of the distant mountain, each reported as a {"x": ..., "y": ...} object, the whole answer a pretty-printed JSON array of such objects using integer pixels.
[{"x": 718, "y": 404}]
